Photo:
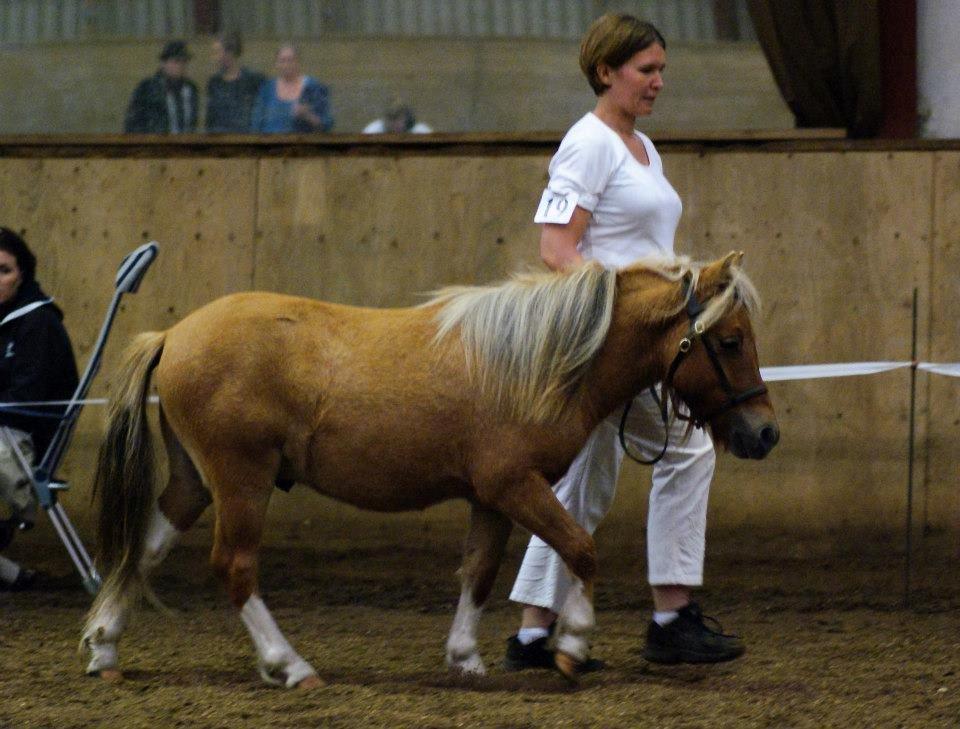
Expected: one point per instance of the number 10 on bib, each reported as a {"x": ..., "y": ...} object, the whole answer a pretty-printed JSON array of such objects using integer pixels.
[{"x": 556, "y": 207}]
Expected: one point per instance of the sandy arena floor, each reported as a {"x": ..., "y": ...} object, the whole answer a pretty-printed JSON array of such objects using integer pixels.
[{"x": 368, "y": 599}]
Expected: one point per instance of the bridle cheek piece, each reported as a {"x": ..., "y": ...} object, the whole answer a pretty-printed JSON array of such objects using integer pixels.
[{"x": 694, "y": 334}]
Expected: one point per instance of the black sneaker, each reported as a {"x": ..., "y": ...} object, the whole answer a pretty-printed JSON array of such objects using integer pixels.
[
  {"x": 688, "y": 640},
  {"x": 8, "y": 528},
  {"x": 537, "y": 654}
]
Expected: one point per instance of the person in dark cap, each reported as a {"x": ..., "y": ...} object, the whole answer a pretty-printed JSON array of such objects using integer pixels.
[{"x": 165, "y": 103}]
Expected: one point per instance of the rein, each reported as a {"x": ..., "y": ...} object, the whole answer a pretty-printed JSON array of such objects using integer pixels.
[{"x": 694, "y": 334}]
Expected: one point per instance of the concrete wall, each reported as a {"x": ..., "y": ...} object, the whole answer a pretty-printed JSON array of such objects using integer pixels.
[
  {"x": 490, "y": 85},
  {"x": 835, "y": 241}
]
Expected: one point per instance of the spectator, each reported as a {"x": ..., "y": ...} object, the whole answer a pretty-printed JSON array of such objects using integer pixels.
[
  {"x": 292, "y": 102},
  {"x": 165, "y": 103},
  {"x": 36, "y": 364},
  {"x": 233, "y": 90},
  {"x": 398, "y": 119}
]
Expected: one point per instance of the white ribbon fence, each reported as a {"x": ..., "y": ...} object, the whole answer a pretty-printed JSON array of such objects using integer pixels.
[
  {"x": 852, "y": 369},
  {"x": 770, "y": 374}
]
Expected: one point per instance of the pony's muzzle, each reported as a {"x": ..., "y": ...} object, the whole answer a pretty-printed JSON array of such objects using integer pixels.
[
  {"x": 750, "y": 439},
  {"x": 770, "y": 435}
]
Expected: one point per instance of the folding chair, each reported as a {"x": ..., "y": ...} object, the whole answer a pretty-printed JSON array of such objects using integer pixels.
[{"x": 42, "y": 477}]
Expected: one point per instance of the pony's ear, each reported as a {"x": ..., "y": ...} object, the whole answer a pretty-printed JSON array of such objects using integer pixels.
[
  {"x": 716, "y": 275},
  {"x": 733, "y": 258}
]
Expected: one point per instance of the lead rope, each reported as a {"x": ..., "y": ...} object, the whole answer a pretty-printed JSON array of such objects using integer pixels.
[{"x": 666, "y": 430}]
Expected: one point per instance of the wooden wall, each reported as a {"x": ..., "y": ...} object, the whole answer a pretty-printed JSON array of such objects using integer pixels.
[{"x": 836, "y": 239}]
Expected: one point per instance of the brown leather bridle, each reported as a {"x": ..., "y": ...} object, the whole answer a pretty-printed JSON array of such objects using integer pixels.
[{"x": 695, "y": 333}]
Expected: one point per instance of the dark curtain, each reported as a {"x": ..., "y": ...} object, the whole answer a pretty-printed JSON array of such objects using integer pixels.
[{"x": 825, "y": 57}]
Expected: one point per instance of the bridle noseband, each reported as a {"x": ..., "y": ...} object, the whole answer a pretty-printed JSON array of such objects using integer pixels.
[{"x": 694, "y": 334}]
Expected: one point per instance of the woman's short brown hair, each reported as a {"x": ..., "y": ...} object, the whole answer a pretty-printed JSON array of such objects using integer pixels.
[{"x": 612, "y": 40}]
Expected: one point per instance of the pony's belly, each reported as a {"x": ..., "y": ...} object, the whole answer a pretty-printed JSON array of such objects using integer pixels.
[{"x": 387, "y": 492}]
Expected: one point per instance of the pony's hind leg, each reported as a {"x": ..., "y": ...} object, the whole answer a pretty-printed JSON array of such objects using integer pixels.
[
  {"x": 483, "y": 552},
  {"x": 241, "y": 490},
  {"x": 180, "y": 504}
]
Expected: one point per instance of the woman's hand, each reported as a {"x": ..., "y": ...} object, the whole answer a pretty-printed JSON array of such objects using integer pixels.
[
  {"x": 303, "y": 111},
  {"x": 558, "y": 243}
]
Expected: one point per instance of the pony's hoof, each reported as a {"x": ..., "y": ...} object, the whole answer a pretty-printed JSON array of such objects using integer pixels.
[
  {"x": 313, "y": 681},
  {"x": 567, "y": 665},
  {"x": 472, "y": 665},
  {"x": 111, "y": 675}
]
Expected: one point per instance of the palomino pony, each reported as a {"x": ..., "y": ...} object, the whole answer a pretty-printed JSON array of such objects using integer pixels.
[{"x": 483, "y": 393}]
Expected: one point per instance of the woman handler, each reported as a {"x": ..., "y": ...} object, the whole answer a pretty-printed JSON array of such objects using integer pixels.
[{"x": 608, "y": 200}]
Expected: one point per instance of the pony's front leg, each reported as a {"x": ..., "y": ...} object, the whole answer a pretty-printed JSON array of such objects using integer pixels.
[
  {"x": 533, "y": 505},
  {"x": 483, "y": 552},
  {"x": 575, "y": 623}
]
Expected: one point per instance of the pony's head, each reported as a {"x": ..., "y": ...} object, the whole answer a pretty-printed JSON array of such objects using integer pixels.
[{"x": 713, "y": 365}]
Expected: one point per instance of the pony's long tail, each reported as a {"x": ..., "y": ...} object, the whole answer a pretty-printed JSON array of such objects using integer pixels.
[{"x": 125, "y": 475}]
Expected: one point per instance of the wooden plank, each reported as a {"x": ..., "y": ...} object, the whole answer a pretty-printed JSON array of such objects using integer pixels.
[
  {"x": 328, "y": 232},
  {"x": 835, "y": 249},
  {"x": 938, "y": 504}
]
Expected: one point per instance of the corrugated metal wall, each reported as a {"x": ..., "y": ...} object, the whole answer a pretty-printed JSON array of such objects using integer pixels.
[
  {"x": 681, "y": 20},
  {"x": 31, "y": 21}
]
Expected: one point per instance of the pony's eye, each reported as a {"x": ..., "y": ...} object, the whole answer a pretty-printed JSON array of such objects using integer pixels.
[{"x": 730, "y": 344}]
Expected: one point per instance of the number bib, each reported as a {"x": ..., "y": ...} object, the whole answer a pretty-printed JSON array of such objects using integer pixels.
[{"x": 556, "y": 208}]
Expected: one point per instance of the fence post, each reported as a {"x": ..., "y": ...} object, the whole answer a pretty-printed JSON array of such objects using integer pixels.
[{"x": 908, "y": 561}]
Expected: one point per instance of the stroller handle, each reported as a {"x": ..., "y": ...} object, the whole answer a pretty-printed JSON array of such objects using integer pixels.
[{"x": 134, "y": 266}]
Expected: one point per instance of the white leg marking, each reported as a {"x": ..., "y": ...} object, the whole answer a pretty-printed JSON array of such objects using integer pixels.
[
  {"x": 161, "y": 536},
  {"x": 103, "y": 634},
  {"x": 576, "y": 624},
  {"x": 277, "y": 661},
  {"x": 108, "y": 623},
  {"x": 462, "y": 652}
]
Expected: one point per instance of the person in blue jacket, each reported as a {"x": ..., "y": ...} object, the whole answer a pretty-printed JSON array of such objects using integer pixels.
[
  {"x": 291, "y": 103},
  {"x": 36, "y": 364}
]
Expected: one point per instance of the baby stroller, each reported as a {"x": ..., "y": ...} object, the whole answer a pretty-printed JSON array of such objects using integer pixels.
[{"x": 43, "y": 476}]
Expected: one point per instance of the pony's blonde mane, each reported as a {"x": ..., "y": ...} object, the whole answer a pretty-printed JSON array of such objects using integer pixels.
[{"x": 530, "y": 340}]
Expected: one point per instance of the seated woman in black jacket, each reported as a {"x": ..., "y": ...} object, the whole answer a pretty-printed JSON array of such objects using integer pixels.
[{"x": 36, "y": 364}]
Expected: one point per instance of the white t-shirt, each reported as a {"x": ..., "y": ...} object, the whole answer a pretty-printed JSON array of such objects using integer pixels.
[{"x": 635, "y": 210}]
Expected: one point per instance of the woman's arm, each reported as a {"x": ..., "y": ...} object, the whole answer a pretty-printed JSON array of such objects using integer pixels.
[
  {"x": 314, "y": 107},
  {"x": 558, "y": 243}
]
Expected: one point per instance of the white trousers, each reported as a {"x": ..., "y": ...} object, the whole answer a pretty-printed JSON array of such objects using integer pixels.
[
  {"x": 677, "y": 517},
  {"x": 15, "y": 487}
]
